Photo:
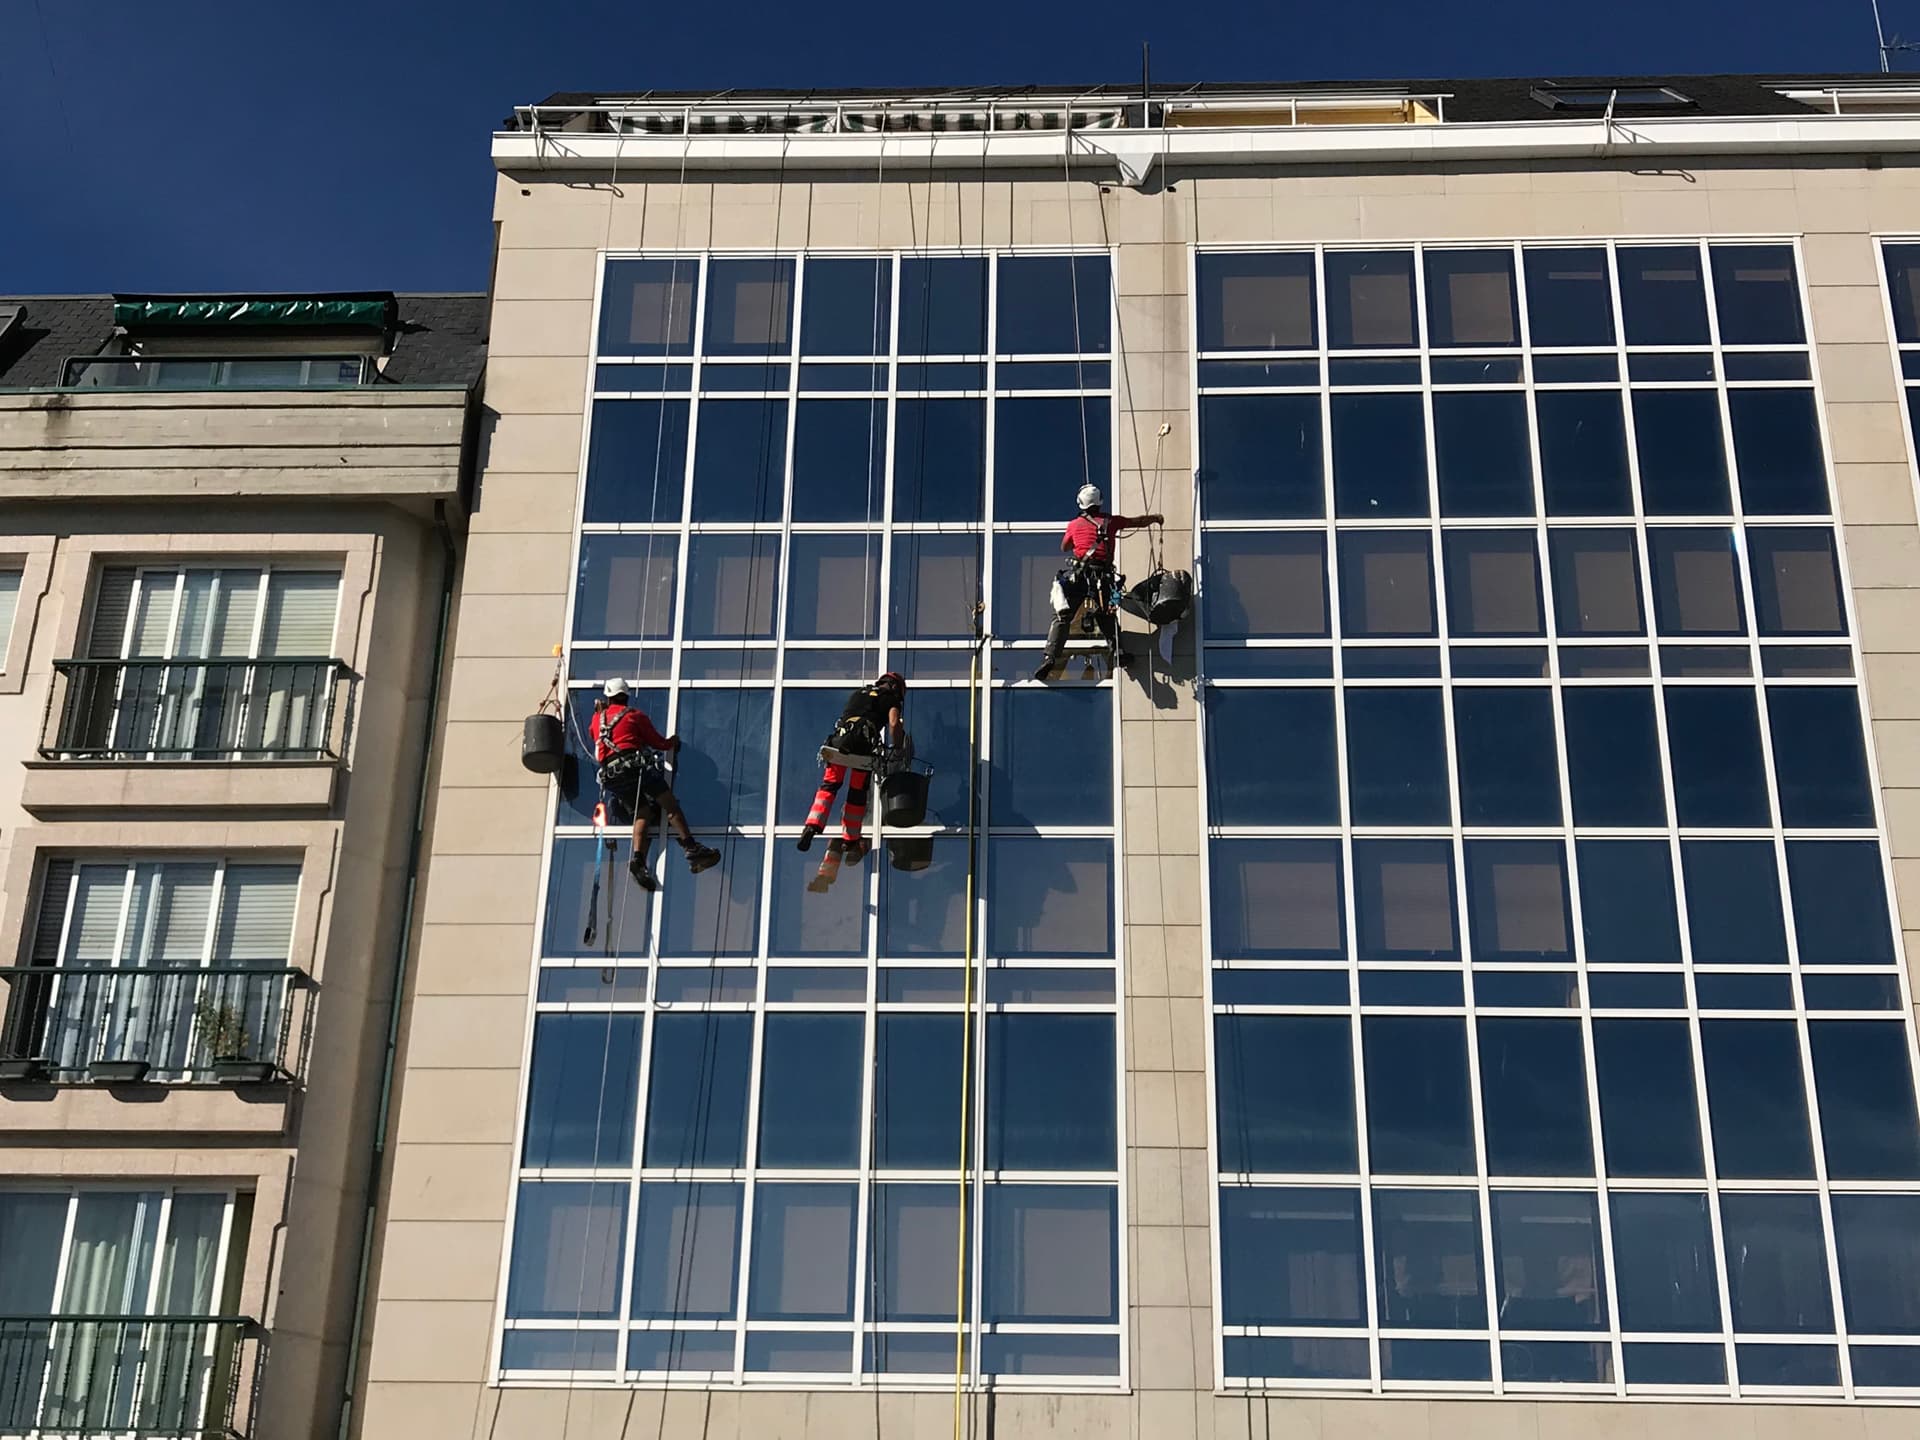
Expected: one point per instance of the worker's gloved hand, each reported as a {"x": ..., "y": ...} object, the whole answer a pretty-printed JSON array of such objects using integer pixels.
[
  {"x": 1156, "y": 519},
  {"x": 673, "y": 743}
]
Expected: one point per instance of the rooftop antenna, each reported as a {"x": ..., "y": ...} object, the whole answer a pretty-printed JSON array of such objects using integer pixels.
[{"x": 1888, "y": 47}]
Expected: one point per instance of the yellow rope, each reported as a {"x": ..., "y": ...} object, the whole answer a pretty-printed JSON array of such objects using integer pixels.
[{"x": 966, "y": 1030}]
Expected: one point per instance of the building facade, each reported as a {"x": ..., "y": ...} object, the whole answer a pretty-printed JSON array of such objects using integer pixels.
[
  {"x": 229, "y": 528},
  {"x": 1452, "y": 983}
]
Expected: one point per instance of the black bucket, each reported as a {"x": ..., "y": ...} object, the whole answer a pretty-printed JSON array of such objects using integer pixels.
[
  {"x": 542, "y": 743},
  {"x": 1161, "y": 598},
  {"x": 903, "y": 798},
  {"x": 911, "y": 854}
]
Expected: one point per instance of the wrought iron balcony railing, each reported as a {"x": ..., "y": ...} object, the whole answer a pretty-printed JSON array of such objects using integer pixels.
[
  {"x": 278, "y": 709},
  {"x": 68, "y": 1023},
  {"x": 159, "y": 1377}
]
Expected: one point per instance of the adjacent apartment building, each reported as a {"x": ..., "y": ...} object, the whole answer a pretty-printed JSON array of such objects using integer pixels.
[
  {"x": 230, "y": 529},
  {"x": 1454, "y": 984}
]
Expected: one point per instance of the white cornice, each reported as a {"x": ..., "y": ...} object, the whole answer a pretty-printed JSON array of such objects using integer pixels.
[{"x": 1123, "y": 152}]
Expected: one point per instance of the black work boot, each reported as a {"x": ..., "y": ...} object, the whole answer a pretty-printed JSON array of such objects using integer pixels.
[
  {"x": 1056, "y": 647},
  {"x": 637, "y": 868},
  {"x": 699, "y": 857},
  {"x": 829, "y": 870},
  {"x": 807, "y": 832}
]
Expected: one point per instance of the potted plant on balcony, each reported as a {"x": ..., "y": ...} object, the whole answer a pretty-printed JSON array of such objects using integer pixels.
[{"x": 223, "y": 1034}]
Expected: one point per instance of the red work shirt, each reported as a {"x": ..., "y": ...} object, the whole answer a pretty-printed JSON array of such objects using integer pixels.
[
  {"x": 621, "y": 727},
  {"x": 1090, "y": 537}
]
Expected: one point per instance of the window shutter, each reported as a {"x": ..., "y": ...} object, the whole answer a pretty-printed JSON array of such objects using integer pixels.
[
  {"x": 56, "y": 887},
  {"x": 96, "y": 915},
  {"x": 256, "y": 915},
  {"x": 301, "y": 607},
  {"x": 9, "y": 602},
  {"x": 153, "y": 616},
  {"x": 111, "y": 601},
  {"x": 181, "y": 894}
]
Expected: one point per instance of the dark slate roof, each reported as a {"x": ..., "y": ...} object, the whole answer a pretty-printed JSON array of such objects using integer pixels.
[
  {"x": 1467, "y": 100},
  {"x": 439, "y": 340}
]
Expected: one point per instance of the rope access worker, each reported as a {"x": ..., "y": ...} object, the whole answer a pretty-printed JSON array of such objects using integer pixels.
[
  {"x": 870, "y": 729},
  {"x": 633, "y": 782},
  {"x": 1088, "y": 577}
]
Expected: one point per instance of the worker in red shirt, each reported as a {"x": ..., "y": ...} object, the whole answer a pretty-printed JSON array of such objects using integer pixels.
[
  {"x": 633, "y": 782},
  {"x": 1088, "y": 578}
]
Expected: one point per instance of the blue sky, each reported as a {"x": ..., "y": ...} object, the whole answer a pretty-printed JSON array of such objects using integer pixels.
[{"x": 262, "y": 144}]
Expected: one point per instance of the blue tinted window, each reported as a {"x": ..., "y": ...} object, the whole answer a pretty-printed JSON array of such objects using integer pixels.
[
  {"x": 1613, "y": 756},
  {"x": 1050, "y": 1255},
  {"x": 582, "y": 1091},
  {"x": 646, "y": 307},
  {"x": 810, "y": 1071},
  {"x": 1291, "y": 1257},
  {"x": 943, "y": 305},
  {"x": 1044, "y": 449},
  {"x": 1819, "y": 757},
  {"x": 1683, "y": 462},
  {"x": 848, "y": 306},
  {"x": 739, "y": 460},
  {"x": 720, "y": 771},
  {"x": 1293, "y": 733},
  {"x": 1493, "y": 583},
  {"x": 636, "y": 461},
  {"x": 1757, "y": 295},
  {"x": 1050, "y": 1092},
  {"x": 1665, "y": 1363},
  {"x": 1649, "y": 1121},
  {"x": 1024, "y": 566},
  {"x": 916, "y": 1120},
  {"x": 1863, "y": 1074},
  {"x": 1776, "y": 1265},
  {"x": 1257, "y": 302},
  {"x": 625, "y": 587},
  {"x": 1533, "y": 1089},
  {"x": 1053, "y": 304},
  {"x": 1664, "y": 1266},
  {"x": 1471, "y": 298},
  {"x": 1260, "y": 457},
  {"x": 1796, "y": 580},
  {"x": 1429, "y": 1269},
  {"x": 1386, "y": 584},
  {"x": 1509, "y": 762},
  {"x": 1286, "y": 1093},
  {"x": 1719, "y": 778},
  {"x": 732, "y": 584},
  {"x": 1596, "y": 582},
  {"x": 1569, "y": 296},
  {"x": 1419, "y": 1115},
  {"x": 839, "y": 460},
  {"x": 1517, "y": 900},
  {"x": 1277, "y": 899},
  {"x": 686, "y": 1253},
  {"x": 1435, "y": 1360},
  {"x": 833, "y": 926},
  {"x": 1878, "y": 1237},
  {"x": 569, "y": 1243},
  {"x": 1370, "y": 299},
  {"x": 940, "y": 460},
  {"x": 1482, "y": 453},
  {"x": 802, "y": 1252},
  {"x": 1283, "y": 1357},
  {"x": 1027, "y": 784},
  {"x": 1696, "y": 582},
  {"x": 912, "y": 1241},
  {"x": 1662, "y": 295},
  {"x": 1396, "y": 757},
  {"x": 749, "y": 307},
  {"x": 923, "y": 911},
  {"x": 1839, "y": 902},
  {"x": 936, "y": 583},
  {"x": 1546, "y": 1260},
  {"x": 807, "y": 717},
  {"x": 570, "y": 882},
  {"x": 1733, "y": 902},
  {"x": 1049, "y": 897},
  {"x": 1404, "y": 896},
  {"x": 1379, "y": 456},
  {"x": 697, "y": 1091},
  {"x": 1756, "y": 1100},
  {"x": 1777, "y": 450},
  {"x": 1583, "y": 452},
  {"x": 1566, "y": 1362},
  {"x": 1800, "y": 1366},
  {"x": 1267, "y": 586},
  {"x": 715, "y": 914}
]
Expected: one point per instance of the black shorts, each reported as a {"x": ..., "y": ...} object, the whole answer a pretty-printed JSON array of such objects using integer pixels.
[{"x": 627, "y": 781}]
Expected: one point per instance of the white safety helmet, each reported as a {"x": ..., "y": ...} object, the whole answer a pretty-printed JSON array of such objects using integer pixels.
[
  {"x": 1089, "y": 497},
  {"x": 615, "y": 688}
]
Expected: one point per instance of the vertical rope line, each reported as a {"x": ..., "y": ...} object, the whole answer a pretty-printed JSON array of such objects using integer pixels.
[{"x": 960, "y": 1276}]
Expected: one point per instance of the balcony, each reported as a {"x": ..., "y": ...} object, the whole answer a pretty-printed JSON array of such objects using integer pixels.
[
  {"x": 163, "y": 733},
  {"x": 197, "y": 1050},
  {"x": 75, "y": 1376}
]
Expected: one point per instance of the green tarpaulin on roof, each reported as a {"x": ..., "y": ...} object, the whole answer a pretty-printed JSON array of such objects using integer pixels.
[{"x": 365, "y": 313}]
